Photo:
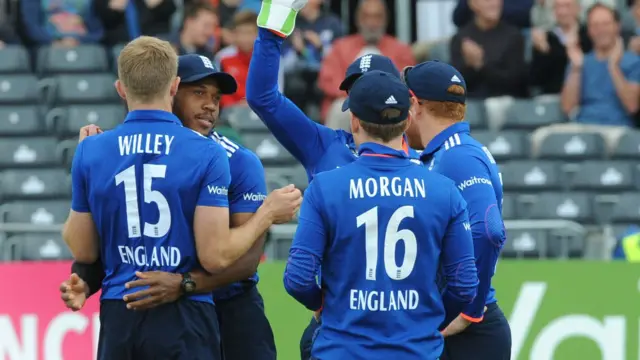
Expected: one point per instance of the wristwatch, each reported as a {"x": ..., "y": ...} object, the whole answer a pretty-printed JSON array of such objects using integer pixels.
[{"x": 187, "y": 284}]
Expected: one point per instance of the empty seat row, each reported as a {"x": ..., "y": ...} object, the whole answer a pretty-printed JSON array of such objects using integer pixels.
[
  {"x": 585, "y": 208},
  {"x": 524, "y": 114},
  {"x": 530, "y": 175},
  {"x": 35, "y": 246},
  {"x": 535, "y": 243},
  {"x": 86, "y": 58}
]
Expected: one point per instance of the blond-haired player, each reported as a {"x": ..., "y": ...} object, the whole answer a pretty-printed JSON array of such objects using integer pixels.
[{"x": 151, "y": 195}]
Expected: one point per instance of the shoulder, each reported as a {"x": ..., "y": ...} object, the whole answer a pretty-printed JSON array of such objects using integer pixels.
[
  {"x": 467, "y": 151},
  {"x": 392, "y": 41},
  {"x": 630, "y": 60},
  {"x": 239, "y": 156}
]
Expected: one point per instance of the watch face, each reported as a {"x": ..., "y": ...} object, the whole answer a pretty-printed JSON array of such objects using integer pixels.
[{"x": 189, "y": 286}]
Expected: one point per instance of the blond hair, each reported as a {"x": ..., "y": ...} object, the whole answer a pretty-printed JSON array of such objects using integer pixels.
[
  {"x": 146, "y": 67},
  {"x": 448, "y": 109}
]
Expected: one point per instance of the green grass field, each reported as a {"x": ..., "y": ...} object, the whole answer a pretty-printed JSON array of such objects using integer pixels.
[{"x": 288, "y": 318}]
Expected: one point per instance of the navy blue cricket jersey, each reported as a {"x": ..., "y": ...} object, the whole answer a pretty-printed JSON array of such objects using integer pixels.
[
  {"x": 141, "y": 182},
  {"x": 480, "y": 183},
  {"x": 247, "y": 191},
  {"x": 380, "y": 228},
  {"x": 317, "y": 147}
]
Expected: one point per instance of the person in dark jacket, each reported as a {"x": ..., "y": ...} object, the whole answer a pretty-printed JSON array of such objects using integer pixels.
[
  {"x": 125, "y": 20},
  {"x": 60, "y": 22},
  {"x": 516, "y": 13}
]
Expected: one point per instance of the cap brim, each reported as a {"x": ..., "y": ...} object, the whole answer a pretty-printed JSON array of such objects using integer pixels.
[
  {"x": 226, "y": 83},
  {"x": 345, "y": 105},
  {"x": 347, "y": 83}
]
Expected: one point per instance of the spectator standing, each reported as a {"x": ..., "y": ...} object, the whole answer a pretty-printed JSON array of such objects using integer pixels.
[
  {"x": 516, "y": 13},
  {"x": 371, "y": 20},
  {"x": 8, "y": 34},
  {"x": 542, "y": 13},
  {"x": 198, "y": 28},
  {"x": 60, "y": 22},
  {"x": 604, "y": 83},
  {"x": 235, "y": 59},
  {"x": 549, "y": 61},
  {"x": 489, "y": 53},
  {"x": 125, "y": 20}
]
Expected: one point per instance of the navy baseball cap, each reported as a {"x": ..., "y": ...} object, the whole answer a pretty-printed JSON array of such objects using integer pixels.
[
  {"x": 367, "y": 63},
  {"x": 193, "y": 68},
  {"x": 431, "y": 79},
  {"x": 376, "y": 91}
]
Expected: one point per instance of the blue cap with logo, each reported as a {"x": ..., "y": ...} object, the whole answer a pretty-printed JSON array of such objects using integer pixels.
[
  {"x": 193, "y": 68},
  {"x": 376, "y": 91},
  {"x": 367, "y": 63},
  {"x": 431, "y": 80}
]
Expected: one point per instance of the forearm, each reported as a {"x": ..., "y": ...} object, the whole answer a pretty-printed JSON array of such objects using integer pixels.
[
  {"x": 570, "y": 96},
  {"x": 92, "y": 274},
  {"x": 300, "y": 279},
  {"x": 242, "y": 269},
  {"x": 624, "y": 89},
  {"x": 241, "y": 239}
]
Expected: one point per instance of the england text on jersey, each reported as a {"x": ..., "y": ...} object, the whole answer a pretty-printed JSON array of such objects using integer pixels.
[
  {"x": 145, "y": 144},
  {"x": 371, "y": 300},
  {"x": 384, "y": 186},
  {"x": 155, "y": 256}
]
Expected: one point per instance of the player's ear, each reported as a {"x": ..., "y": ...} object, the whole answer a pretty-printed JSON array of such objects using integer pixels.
[
  {"x": 414, "y": 110},
  {"x": 355, "y": 124},
  {"x": 174, "y": 86},
  {"x": 120, "y": 89}
]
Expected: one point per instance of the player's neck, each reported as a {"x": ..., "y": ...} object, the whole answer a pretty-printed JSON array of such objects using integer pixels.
[
  {"x": 430, "y": 129},
  {"x": 395, "y": 144},
  {"x": 163, "y": 106}
]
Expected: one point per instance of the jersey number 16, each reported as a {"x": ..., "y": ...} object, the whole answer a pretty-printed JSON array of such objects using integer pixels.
[
  {"x": 391, "y": 238},
  {"x": 128, "y": 177}
]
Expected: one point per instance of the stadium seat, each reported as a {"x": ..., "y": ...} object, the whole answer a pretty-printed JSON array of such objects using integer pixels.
[
  {"x": 603, "y": 176},
  {"x": 20, "y": 120},
  {"x": 531, "y": 175},
  {"x": 68, "y": 121},
  {"x": 531, "y": 114},
  {"x": 267, "y": 148},
  {"x": 86, "y": 58},
  {"x": 19, "y": 89},
  {"x": 626, "y": 209},
  {"x": 565, "y": 246},
  {"x": 115, "y": 52},
  {"x": 569, "y": 146},
  {"x": 504, "y": 145},
  {"x": 66, "y": 149},
  {"x": 35, "y": 183},
  {"x": 544, "y": 206},
  {"x": 525, "y": 244},
  {"x": 476, "y": 115},
  {"x": 28, "y": 152},
  {"x": 294, "y": 174},
  {"x": 628, "y": 146},
  {"x": 15, "y": 60},
  {"x": 83, "y": 89},
  {"x": 242, "y": 119},
  {"x": 31, "y": 246},
  {"x": 509, "y": 207},
  {"x": 39, "y": 212}
]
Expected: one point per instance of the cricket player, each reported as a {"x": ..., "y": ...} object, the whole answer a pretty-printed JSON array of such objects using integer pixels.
[
  {"x": 152, "y": 195},
  {"x": 439, "y": 110},
  {"x": 380, "y": 228},
  {"x": 317, "y": 147},
  {"x": 239, "y": 305}
]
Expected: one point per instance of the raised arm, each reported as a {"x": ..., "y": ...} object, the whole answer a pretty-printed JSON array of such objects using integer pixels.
[{"x": 301, "y": 136}]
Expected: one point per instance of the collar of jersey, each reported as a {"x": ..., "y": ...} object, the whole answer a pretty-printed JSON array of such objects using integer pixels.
[
  {"x": 377, "y": 150},
  {"x": 152, "y": 115},
  {"x": 436, "y": 142}
]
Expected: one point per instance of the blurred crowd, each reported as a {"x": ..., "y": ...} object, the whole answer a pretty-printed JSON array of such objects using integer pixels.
[{"x": 583, "y": 50}]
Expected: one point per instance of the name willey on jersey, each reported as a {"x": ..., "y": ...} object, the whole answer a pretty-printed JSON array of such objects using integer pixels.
[
  {"x": 394, "y": 300},
  {"x": 156, "y": 255}
]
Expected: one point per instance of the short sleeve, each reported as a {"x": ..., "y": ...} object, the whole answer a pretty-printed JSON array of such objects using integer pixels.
[
  {"x": 248, "y": 185},
  {"x": 633, "y": 74},
  {"x": 214, "y": 189},
  {"x": 79, "y": 196}
]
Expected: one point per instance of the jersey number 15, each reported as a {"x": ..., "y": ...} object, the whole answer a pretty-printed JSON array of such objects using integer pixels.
[
  {"x": 128, "y": 177},
  {"x": 391, "y": 238}
]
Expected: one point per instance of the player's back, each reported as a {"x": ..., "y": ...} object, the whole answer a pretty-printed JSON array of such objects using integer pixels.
[
  {"x": 144, "y": 180},
  {"x": 386, "y": 219}
]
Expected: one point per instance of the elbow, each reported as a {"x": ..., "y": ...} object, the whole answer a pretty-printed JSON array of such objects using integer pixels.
[
  {"x": 215, "y": 265},
  {"x": 633, "y": 106},
  {"x": 566, "y": 104},
  {"x": 260, "y": 101},
  {"x": 84, "y": 256},
  {"x": 464, "y": 287}
]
